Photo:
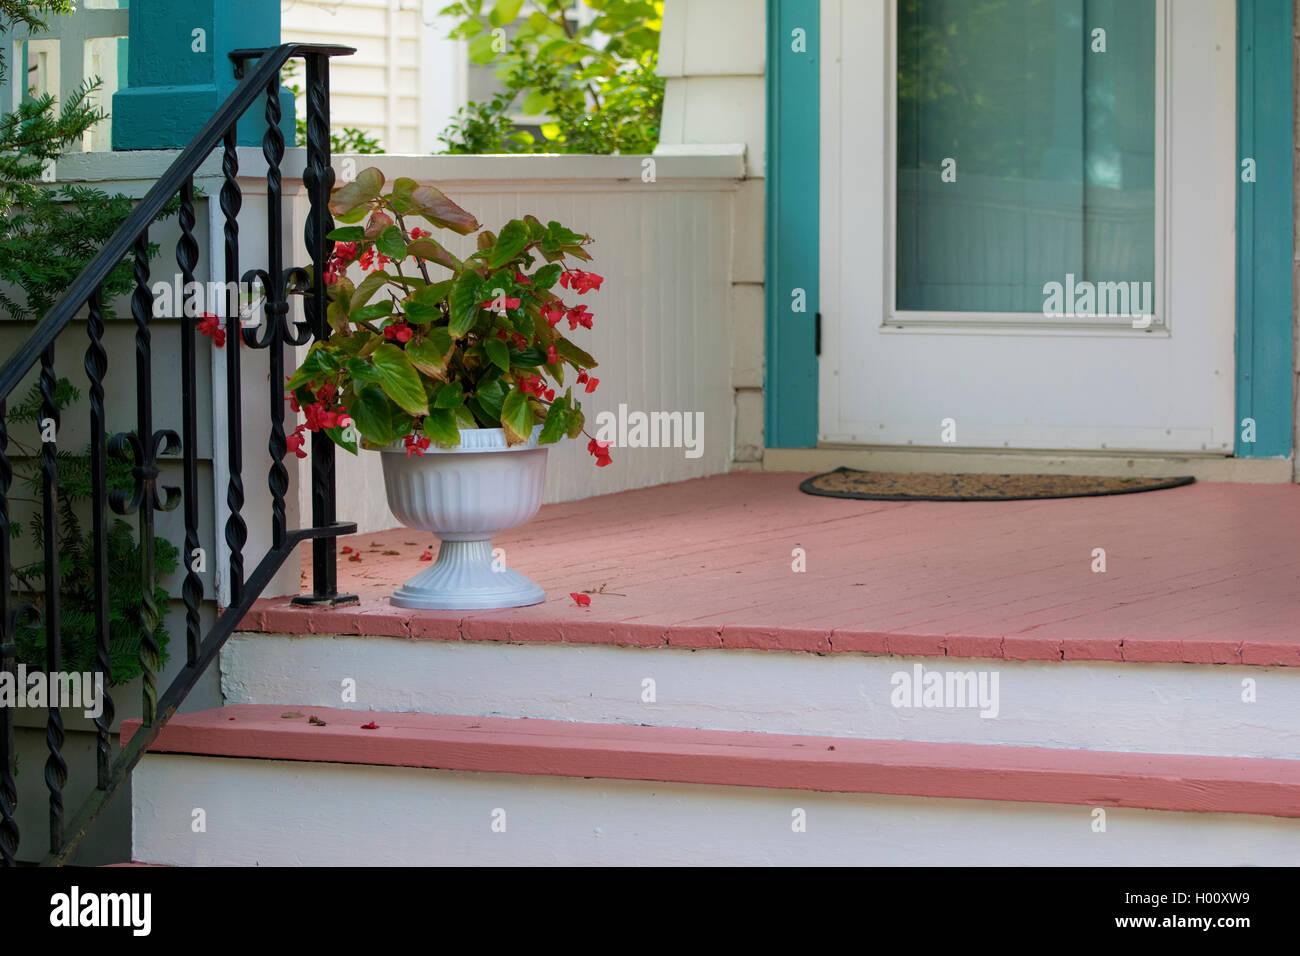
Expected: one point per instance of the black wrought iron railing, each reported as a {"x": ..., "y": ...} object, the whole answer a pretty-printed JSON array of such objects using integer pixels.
[{"x": 259, "y": 73}]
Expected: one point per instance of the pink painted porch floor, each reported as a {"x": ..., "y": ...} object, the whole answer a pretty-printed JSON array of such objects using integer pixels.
[{"x": 1207, "y": 573}]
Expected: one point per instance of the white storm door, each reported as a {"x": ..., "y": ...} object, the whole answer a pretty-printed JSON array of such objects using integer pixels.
[{"x": 1027, "y": 224}]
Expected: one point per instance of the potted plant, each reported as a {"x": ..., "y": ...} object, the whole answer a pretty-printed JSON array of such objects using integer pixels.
[{"x": 454, "y": 370}]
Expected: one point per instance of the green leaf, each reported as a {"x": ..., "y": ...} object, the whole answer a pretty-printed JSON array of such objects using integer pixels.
[
  {"x": 528, "y": 358},
  {"x": 366, "y": 291},
  {"x": 490, "y": 396},
  {"x": 504, "y": 12},
  {"x": 319, "y": 361},
  {"x": 433, "y": 293},
  {"x": 362, "y": 372},
  {"x": 392, "y": 244},
  {"x": 557, "y": 418},
  {"x": 498, "y": 352},
  {"x": 417, "y": 313},
  {"x": 576, "y": 421},
  {"x": 538, "y": 102},
  {"x": 435, "y": 252},
  {"x": 339, "y": 437},
  {"x": 546, "y": 276},
  {"x": 464, "y": 417},
  {"x": 517, "y": 417},
  {"x": 440, "y": 426},
  {"x": 376, "y": 311},
  {"x": 563, "y": 234},
  {"x": 371, "y": 413},
  {"x": 450, "y": 396},
  {"x": 575, "y": 355},
  {"x": 466, "y": 293},
  {"x": 427, "y": 357},
  {"x": 399, "y": 379},
  {"x": 364, "y": 189},
  {"x": 514, "y": 237},
  {"x": 347, "y": 234}
]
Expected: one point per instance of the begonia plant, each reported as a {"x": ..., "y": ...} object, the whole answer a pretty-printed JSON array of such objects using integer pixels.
[{"x": 425, "y": 343}]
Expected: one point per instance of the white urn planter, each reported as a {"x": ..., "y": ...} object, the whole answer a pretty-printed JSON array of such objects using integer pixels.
[{"x": 466, "y": 495}]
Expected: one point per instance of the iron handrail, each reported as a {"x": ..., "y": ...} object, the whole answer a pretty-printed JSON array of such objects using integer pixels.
[
  {"x": 245, "y": 94},
  {"x": 145, "y": 444}
]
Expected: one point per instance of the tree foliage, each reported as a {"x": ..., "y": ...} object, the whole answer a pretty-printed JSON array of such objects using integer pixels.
[{"x": 593, "y": 79}]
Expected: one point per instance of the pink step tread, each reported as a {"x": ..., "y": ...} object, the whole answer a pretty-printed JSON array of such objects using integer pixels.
[{"x": 729, "y": 758}]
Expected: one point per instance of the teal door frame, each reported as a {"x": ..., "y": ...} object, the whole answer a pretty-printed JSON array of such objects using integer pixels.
[
  {"x": 793, "y": 222},
  {"x": 1264, "y": 252},
  {"x": 1265, "y": 224}
]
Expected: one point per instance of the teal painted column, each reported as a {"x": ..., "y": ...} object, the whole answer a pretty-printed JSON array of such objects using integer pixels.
[
  {"x": 793, "y": 222},
  {"x": 179, "y": 71},
  {"x": 1264, "y": 228}
]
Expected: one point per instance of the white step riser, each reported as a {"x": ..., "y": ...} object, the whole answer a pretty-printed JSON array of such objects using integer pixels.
[
  {"x": 280, "y": 813},
  {"x": 1089, "y": 705}
]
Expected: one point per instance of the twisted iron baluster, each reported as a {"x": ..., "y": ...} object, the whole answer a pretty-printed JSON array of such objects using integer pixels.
[
  {"x": 318, "y": 177},
  {"x": 187, "y": 257},
  {"x": 236, "y": 529},
  {"x": 56, "y": 768},
  {"x": 145, "y": 445},
  {"x": 96, "y": 365},
  {"x": 8, "y": 791},
  {"x": 277, "y": 310}
]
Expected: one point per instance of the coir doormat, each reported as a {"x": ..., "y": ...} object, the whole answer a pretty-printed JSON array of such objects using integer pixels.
[{"x": 925, "y": 486}]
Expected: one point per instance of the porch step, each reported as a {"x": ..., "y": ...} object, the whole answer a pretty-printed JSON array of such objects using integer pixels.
[
  {"x": 425, "y": 788},
  {"x": 1221, "y": 710}
]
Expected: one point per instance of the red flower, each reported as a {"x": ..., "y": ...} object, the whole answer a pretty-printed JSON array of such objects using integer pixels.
[
  {"x": 521, "y": 279},
  {"x": 293, "y": 402},
  {"x": 355, "y": 557},
  {"x": 492, "y": 303},
  {"x": 370, "y": 726},
  {"x": 295, "y": 441},
  {"x": 591, "y": 384},
  {"x": 521, "y": 343},
  {"x": 211, "y": 325},
  {"x": 327, "y": 392},
  {"x": 550, "y": 394},
  {"x": 578, "y": 316},
  {"x": 581, "y": 282},
  {"x": 532, "y": 385},
  {"x": 415, "y": 445},
  {"x": 552, "y": 355},
  {"x": 347, "y": 549},
  {"x": 345, "y": 252},
  {"x": 582, "y": 376},
  {"x": 318, "y": 417},
  {"x": 600, "y": 449},
  {"x": 398, "y": 331},
  {"x": 427, "y": 556},
  {"x": 372, "y": 257},
  {"x": 553, "y": 314},
  {"x": 582, "y": 600},
  {"x": 418, "y": 233}
]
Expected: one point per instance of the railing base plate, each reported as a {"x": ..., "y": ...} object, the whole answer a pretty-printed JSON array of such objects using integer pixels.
[{"x": 338, "y": 600}]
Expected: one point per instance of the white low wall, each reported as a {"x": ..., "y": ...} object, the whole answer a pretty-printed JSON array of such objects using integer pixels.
[{"x": 662, "y": 331}]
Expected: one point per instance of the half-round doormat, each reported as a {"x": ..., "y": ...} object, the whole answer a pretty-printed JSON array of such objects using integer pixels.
[{"x": 925, "y": 486}]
